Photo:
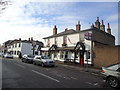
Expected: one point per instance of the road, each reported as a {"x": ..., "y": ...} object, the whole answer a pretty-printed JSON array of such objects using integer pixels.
[{"x": 16, "y": 74}]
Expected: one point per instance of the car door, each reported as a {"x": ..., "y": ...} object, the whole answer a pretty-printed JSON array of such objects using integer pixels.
[{"x": 38, "y": 60}]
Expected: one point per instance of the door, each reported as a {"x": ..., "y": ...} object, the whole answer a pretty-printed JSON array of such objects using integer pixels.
[{"x": 81, "y": 57}]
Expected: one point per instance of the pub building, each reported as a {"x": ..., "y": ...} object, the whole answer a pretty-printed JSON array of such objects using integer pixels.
[{"x": 78, "y": 46}]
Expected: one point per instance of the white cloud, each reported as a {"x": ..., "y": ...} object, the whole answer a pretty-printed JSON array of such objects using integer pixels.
[
  {"x": 73, "y": 0},
  {"x": 17, "y": 32},
  {"x": 17, "y": 22},
  {"x": 112, "y": 18}
]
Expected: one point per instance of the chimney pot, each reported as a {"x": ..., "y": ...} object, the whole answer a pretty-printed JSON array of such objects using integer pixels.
[
  {"x": 55, "y": 30},
  {"x": 102, "y": 22},
  {"x": 66, "y": 29},
  {"x": 97, "y": 23},
  {"x": 108, "y": 25},
  {"x": 19, "y": 39},
  {"x": 109, "y": 29},
  {"x": 98, "y": 18},
  {"x": 31, "y": 38},
  {"x": 78, "y": 26}
]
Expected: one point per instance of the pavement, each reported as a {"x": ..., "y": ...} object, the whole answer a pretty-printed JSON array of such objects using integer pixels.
[
  {"x": 79, "y": 67},
  {"x": 69, "y": 65}
]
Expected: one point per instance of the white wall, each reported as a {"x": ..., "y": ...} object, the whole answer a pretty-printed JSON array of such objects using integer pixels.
[
  {"x": 60, "y": 41},
  {"x": 88, "y": 47},
  {"x": 26, "y": 48},
  {"x": 72, "y": 39}
]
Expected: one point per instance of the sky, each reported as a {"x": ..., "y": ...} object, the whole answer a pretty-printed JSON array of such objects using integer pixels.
[{"x": 36, "y": 18}]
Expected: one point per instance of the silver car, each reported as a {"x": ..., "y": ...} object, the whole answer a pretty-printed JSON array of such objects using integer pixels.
[
  {"x": 43, "y": 61},
  {"x": 111, "y": 74},
  {"x": 7, "y": 55}
]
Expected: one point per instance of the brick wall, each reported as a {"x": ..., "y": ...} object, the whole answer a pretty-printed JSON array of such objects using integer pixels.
[
  {"x": 105, "y": 55},
  {"x": 103, "y": 37}
]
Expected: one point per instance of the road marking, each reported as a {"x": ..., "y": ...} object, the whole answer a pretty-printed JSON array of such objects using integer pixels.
[
  {"x": 74, "y": 78},
  {"x": 93, "y": 84},
  {"x": 66, "y": 77},
  {"x": 45, "y": 76},
  {"x": 95, "y": 74},
  {"x": 20, "y": 65}
]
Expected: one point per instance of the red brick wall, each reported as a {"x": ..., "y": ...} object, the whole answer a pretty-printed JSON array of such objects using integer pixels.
[{"x": 105, "y": 55}]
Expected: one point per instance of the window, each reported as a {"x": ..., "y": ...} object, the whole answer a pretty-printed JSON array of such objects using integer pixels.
[
  {"x": 36, "y": 53},
  {"x": 38, "y": 57},
  {"x": 65, "y": 39},
  {"x": 14, "y": 52},
  {"x": 55, "y": 41},
  {"x": 19, "y": 44},
  {"x": 18, "y": 52},
  {"x": 16, "y": 45},
  {"x": 48, "y": 43},
  {"x": 61, "y": 54}
]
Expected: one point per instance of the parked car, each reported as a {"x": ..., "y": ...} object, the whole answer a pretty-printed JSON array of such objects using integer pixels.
[
  {"x": 27, "y": 58},
  {"x": 43, "y": 61},
  {"x": 7, "y": 55},
  {"x": 111, "y": 74}
]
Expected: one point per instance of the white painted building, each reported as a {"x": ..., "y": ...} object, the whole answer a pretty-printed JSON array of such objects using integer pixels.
[
  {"x": 24, "y": 47},
  {"x": 62, "y": 45},
  {"x": 77, "y": 45}
]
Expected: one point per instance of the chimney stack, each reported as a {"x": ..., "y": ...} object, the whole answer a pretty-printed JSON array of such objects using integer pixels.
[
  {"x": 78, "y": 26},
  {"x": 102, "y": 27},
  {"x": 54, "y": 30},
  {"x": 109, "y": 29},
  {"x": 92, "y": 26},
  {"x": 97, "y": 23},
  {"x": 31, "y": 38},
  {"x": 66, "y": 29},
  {"x": 28, "y": 39},
  {"x": 19, "y": 39}
]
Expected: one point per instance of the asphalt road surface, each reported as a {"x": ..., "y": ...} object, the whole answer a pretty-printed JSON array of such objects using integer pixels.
[{"x": 16, "y": 74}]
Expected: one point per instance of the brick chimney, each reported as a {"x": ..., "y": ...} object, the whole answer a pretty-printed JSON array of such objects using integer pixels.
[
  {"x": 31, "y": 38},
  {"x": 54, "y": 30},
  {"x": 102, "y": 27},
  {"x": 66, "y": 29},
  {"x": 19, "y": 39},
  {"x": 78, "y": 26},
  {"x": 28, "y": 39},
  {"x": 92, "y": 26},
  {"x": 109, "y": 29},
  {"x": 97, "y": 23}
]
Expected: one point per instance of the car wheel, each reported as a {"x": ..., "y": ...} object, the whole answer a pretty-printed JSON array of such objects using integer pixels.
[
  {"x": 42, "y": 65},
  {"x": 113, "y": 82}
]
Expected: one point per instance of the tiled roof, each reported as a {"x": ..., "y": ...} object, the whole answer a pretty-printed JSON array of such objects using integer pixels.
[{"x": 72, "y": 31}]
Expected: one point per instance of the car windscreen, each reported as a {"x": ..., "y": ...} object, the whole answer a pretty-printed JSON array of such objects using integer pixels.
[
  {"x": 45, "y": 57},
  {"x": 30, "y": 56}
]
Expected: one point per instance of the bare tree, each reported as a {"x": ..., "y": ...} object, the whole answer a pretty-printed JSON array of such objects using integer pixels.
[{"x": 4, "y": 4}]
